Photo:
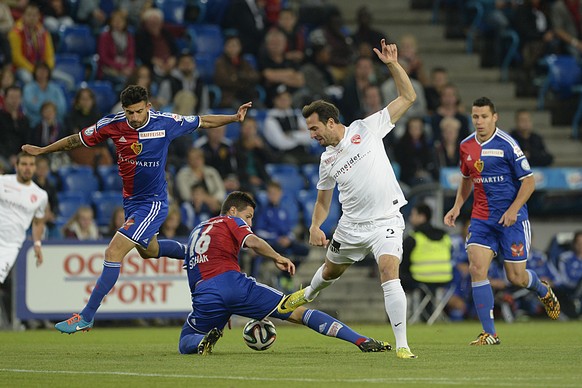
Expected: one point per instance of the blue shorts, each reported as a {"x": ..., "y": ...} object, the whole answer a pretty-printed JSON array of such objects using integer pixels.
[
  {"x": 143, "y": 220},
  {"x": 513, "y": 241},
  {"x": 232, "y": 292}
]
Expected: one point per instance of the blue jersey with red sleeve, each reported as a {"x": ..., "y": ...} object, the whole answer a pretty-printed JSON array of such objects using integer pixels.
[
  {"x": 213, "y": 248},
  {"x": 142, "y": 152},
  {"x": 495, "y": 167}
]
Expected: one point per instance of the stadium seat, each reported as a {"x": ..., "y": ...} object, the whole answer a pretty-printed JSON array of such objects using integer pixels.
[
  {"x": 563, "y": 75},
  {"x": 205, "y": 66},
  {"x": 110, "y": 179},
  {"x": 72, "y": 65},
  {"x": 311, "y": 173},
  {"x": 307, "y": 198},
  {"x": 205, "y": 39},
  {"x": 69, "y": 202},
  {"x": 173, "y": 10},
  {"x": 232, "y": 131},
  {"x": 288, "y": 177},
  {"x": 104, "y": 203},
  {"x": 214, "y": 10},
  {"x": 78, "y": 179},
  {"x": 105, "y": 95},
  {"x": 77, "y": 39},
  {"x": 288, "y": 202}
]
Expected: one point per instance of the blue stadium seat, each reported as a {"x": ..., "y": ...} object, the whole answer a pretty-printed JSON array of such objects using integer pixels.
[
  {"x": 104, "y": 203},
  {"x": 72, "y": 65},
  {"x": 288, "y": 202},
  {"x": 311, "y": 173},
  {"x": 69, "y": 202},
  {"x": 282, "y": 168},
  {"x": 288, "y": 176},
  {"x": 232, "y": 131},
  {"x": 564, "y": 73},
  {"x": 205, "y": 66},
  {"x": 214, "y": 10},
  {"x": 205, "y": 39},
  {"x": 110, "y": 179},
  {"x": 105, "y": 95},
  {"x": 77, "y": 39},
  {"x": 78, "y": 179},
  {"x": 173, "y": 10},
  {"x": 307, "y": 200}
]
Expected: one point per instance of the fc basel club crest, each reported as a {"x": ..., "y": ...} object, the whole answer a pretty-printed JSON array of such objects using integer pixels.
[
  {"x": 137, "y": 147},
  {"x": 478, "y": 165},
  {"x": 517, "y": 249}
]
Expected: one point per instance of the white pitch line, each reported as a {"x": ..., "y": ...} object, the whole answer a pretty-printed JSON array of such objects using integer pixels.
[{"x": 380, "y": 380}]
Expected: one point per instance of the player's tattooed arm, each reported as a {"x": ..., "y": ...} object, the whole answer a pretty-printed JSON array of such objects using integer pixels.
[{"x": 64, "y": 144}]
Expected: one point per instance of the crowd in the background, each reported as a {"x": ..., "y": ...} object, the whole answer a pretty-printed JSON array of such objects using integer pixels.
[{"x": 278, "y": 54}]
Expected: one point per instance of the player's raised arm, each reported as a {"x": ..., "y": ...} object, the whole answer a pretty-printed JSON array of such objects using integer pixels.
[
  {"x": 406, "y": 93},
  {"x": 261, "y": 247},
  {"x": 64, "y": 144},
  {"x": 213, "y": 121}
]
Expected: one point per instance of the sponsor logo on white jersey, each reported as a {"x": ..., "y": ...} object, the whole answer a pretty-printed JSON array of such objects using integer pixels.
[
  {"x": 493, "y": 152},
  {"x": 152, "y": 134}
]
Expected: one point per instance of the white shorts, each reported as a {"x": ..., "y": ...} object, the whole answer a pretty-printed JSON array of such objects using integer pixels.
[
  {"x": 7, "y": 260},
  {"x": 352, "y": 241}
]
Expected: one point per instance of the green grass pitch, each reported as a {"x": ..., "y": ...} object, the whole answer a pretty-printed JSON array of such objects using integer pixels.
[{"x": 532, "y": 354}]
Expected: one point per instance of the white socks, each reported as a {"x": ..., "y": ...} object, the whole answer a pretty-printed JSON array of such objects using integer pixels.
[
  {"x": 318, "y": 283},
  {"x": 395, "y": 304}
]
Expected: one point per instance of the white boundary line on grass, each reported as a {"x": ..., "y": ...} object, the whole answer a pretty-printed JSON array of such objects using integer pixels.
[{"x": 488, "y": 381}]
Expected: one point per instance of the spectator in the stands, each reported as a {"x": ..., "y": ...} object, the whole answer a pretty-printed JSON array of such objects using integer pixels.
[
  {"x": 252, "y": 154},
  {"x": 135, "y": 10},
  {"x": 409, "y": 56},
  {"x": 50, "y": 129},
  {"x": 275, "y": 68},
  {"x": 15, "y": 127},
  {"x": 41, "y": 178},
  {"x": 200, "y": 207},
  {"x": 41, "y": 90},
  {"x": 439, "y": 78},
  {"x": 116, "y": 49},
  {"x": 248, "y": 19},
  {"x": 30, "y": 43},
  {"x": 218, "y": 151},
  {"x": 286, "y": 131},
  {"x": 236, "y": 77},
  {"x": 365, "y": 33},
  {"x": 447, "y": 147},
  {"x": 319, "y": 81},
  {"x": 142, "y": 76},
  {"x": 198, "y": 172},
  {"x": 531, "y": 143},
  {"x": 157, "y": 46},
  {"x": 56, "y": 15},
  {"x": 566, "y": 25},
  {"x": 6, "y": 24},
  {"x": 352, "y": 103},
  {"x": 186, "y": 79},
  {"x": 450, "y": 106},
  {"x": 83, "y": 114},
  {"x": 82, "y": 225},
  {"x": 415, "y": 155},
  {"x": 570, "y": 269},
  {"x": 333, "y": 34},
  {"x": 7, "y": 79},
  {"x": 173, "y": 226},
  {"x": 89, "y": 12},
  {"x": 296, "y": 35},
  {"x": 117, "y": 220}
]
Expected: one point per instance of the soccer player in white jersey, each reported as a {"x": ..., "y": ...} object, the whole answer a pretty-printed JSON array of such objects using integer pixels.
[
  {"x": 21, "y": 202},
  {"x": 355, "y": 160}
]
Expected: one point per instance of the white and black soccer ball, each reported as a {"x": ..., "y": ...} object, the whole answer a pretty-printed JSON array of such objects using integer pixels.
[{"x": 259, "y": 335}]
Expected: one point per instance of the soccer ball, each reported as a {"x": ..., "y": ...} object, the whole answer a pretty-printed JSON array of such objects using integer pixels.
[{"x": 259, "y": 335}]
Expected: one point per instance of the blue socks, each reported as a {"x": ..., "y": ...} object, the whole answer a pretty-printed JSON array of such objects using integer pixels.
[
  {"x": 325, "y": 324},
  {"x": 483, "y": 300},
  {"x": 172, "y": 249},
  {"x": 189, "y": 343},
  {"x": 104, "y": 284},
  {"x": 535, "y": 284}
]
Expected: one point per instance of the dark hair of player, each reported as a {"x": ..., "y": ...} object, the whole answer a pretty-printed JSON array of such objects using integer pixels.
[
  {"x": 133, "y": 94},
  {"x": 239, "y": 200},
  {"x": 324, "y": 110}
]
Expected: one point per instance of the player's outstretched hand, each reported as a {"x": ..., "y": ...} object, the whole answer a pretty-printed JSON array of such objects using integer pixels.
[
  {"x": 242, "y": 111},
  {"x": 38, "y": 255},
  {"x": 317, "y": 238},
  {"x": 32, "y": 149},
  {"x": 284, "y": 264},
  {"x": 451, "y": 216},
  {"x": 389, "y": 52}
]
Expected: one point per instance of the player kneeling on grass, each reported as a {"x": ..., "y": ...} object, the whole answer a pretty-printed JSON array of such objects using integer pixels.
[{"x": 219, "y": 289}]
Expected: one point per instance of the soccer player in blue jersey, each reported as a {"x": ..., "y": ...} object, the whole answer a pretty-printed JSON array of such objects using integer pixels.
[
  {"x": 493, "y": 163},
  {"x": 219, "y": 289},
  {"x": 141, "y": 137}
]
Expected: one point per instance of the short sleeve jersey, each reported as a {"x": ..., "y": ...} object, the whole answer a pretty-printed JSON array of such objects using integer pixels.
[
  {"x": 495, "y": 167},
  {"x": 142, "y": 152},
  {"x": 213, "y": 247},
  {"x": 368, "y": 188},
  {"x": 19, "y": 204}
]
